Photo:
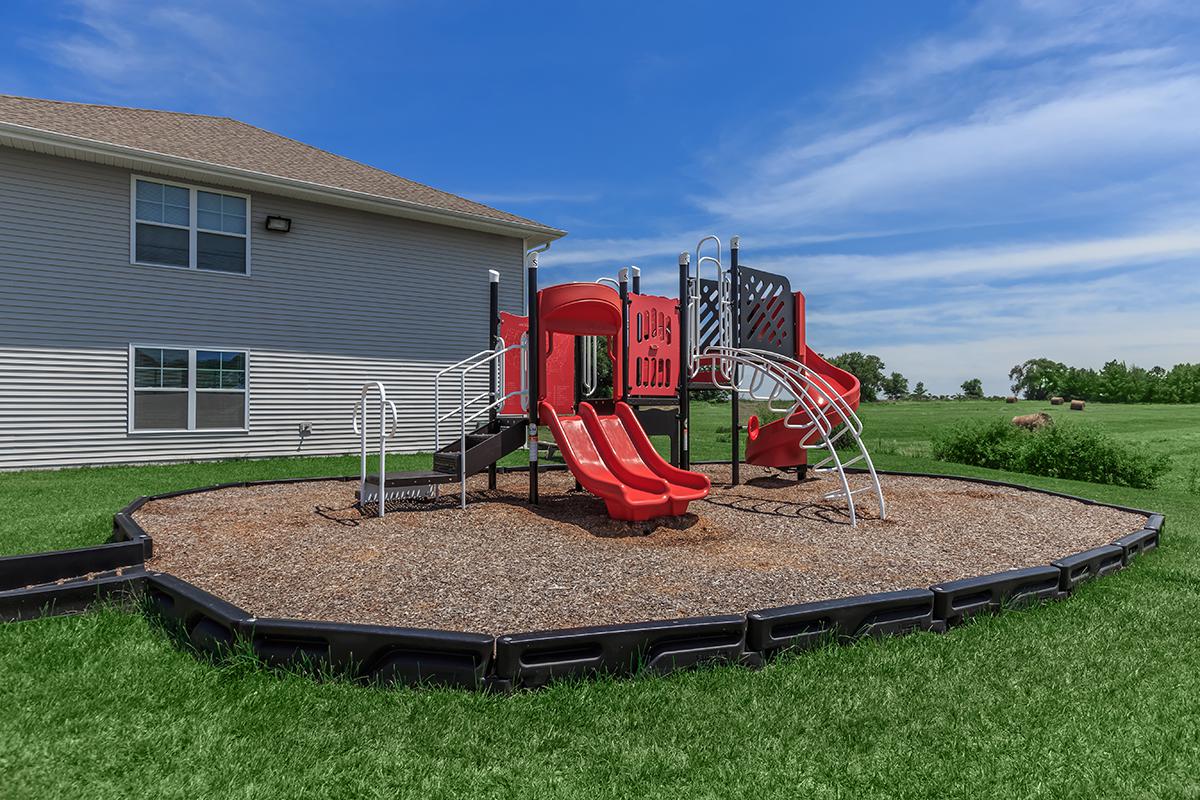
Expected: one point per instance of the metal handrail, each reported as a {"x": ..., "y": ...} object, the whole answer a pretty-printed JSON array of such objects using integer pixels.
[
  {"x": 465, "y": 367},
  {"x": 358, "y": 422},
  {"x": 724, "y": 317},
  {"x": 589, "y": 376},
  {"x": 801, "y": 381},
  {"x": 832, "y": 395}
]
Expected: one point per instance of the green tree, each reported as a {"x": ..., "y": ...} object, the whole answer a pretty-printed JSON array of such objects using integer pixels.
[
  {"x": 919, "y": 393},
  {"x": 972, "y": 389},
  {"x": 1037, "y": 378},
  {"x": 867, "y": 368},
  {"x": 895, "y": 386}
]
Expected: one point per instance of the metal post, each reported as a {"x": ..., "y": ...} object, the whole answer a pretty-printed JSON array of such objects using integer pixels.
[
  {"x": 685, "y": 351},
  {"x": 637, "y": 279},
  {"x": 623, "y": 393},
  {"x": 533, "y": 352},
  {"x": 578, "y": 391},
  {"x": 493, "y": 343},
  {"x": 735, "y": 332}
]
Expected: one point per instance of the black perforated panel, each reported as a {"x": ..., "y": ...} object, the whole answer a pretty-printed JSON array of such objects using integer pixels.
[
  {"x": 710, "y": 323},
  {"x": 766, "y": 312}
]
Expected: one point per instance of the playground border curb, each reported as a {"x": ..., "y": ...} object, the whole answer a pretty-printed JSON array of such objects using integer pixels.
[
  {"x": 68, "y": 581},
  {"x": 534, "y": 659},
  {"x": 843, "y": 620}
]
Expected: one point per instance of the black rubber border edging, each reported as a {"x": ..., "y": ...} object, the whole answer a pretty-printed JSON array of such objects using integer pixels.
[{"x": 68, "y": 580}]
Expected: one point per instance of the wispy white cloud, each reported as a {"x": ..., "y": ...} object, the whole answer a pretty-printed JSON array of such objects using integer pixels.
[
  {"x": 142, "y": 51},
  {"x": 1002, "y": 262},
  {"x": 1032, "y": 123},
  {"x": 1021, "y": 155}
]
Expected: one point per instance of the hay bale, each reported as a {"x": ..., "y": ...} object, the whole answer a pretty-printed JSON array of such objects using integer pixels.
[
  {"x": 1056, "y": 401},
  {"x": 1077, "y": 405},
  {"x": 1033, "y": 422},
  {"x": 1010, "y": 399}
]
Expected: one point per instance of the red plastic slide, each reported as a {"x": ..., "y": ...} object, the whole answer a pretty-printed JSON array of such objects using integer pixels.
[
  {"x": 774, "y": 444},
  {"x": 612, "y": 457}
]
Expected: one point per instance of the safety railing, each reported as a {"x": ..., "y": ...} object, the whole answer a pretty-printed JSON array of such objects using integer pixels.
[
  {"x": 468, "y": 409},
  {"x": 723, "y": 308},
  {"x": 814, "y": 408},
  {"x": 359, "y": 423},
  {"x": 588, "y": 372}
]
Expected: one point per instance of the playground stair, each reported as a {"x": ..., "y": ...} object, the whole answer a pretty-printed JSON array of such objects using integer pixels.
[{"x": 486, "y": 445}]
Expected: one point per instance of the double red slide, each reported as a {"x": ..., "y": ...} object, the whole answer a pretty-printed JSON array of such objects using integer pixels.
[
  {"x": 612, "y": 457},
  {"x": 775, "y": 444}
]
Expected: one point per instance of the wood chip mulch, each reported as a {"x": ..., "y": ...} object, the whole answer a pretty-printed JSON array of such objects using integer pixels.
[{"x": 304, "y": 550}]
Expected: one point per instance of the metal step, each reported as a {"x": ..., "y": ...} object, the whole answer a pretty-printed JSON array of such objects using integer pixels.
[{"x": 396, "y": 480}]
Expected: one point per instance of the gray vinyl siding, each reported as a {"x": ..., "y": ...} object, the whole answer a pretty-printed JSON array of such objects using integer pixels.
[{"x": 344, "y": 298}]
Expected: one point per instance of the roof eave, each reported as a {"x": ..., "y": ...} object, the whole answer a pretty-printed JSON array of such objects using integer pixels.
[{"x": 77, "y": 146}]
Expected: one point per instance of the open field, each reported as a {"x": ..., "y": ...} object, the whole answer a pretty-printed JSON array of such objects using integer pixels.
[{"x": 1095, "y": 696}]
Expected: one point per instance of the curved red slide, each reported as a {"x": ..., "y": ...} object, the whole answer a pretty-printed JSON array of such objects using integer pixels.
[
  {"x": 613, "y": 458},
  {"x": 776, "y": 445}
]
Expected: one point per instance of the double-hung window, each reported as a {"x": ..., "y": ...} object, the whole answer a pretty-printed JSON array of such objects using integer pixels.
[
  {"x": 187, "y": 389},
  {"x": 183, "y": 226}
]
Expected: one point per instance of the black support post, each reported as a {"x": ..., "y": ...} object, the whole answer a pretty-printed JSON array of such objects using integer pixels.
[
  {"x": 637, "y": 279},
  {"x": 533, "y": 348},
  {"x": 684, "y": 367},
  {"x": 578, "y": 390},
  {"x": 735, "y": 425},
  {"x": 623, "y": 393},
  {"x": 493, "y": 343}
]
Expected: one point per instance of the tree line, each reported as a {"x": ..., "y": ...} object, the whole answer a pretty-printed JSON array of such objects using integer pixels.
[
  {"x": 1115, "y": 382},
  {"x": 870, "y": 371}
]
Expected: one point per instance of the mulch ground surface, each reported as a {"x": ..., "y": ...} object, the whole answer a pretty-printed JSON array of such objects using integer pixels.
[{"x": 501, "y": 566}]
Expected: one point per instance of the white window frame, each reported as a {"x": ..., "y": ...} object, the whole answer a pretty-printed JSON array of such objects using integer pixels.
[
  {"x": 191, "y": 391},
  {"x": 191, "y": 227}
]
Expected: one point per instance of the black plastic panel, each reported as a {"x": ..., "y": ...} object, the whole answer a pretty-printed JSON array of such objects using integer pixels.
[
  {"x": 70, "y": 597},
  {"x": 766, "y": 312},
  {"x": 533, "y": 659},
  {"x": 1136, "y": 543},
  {"x": 810, "y": 624},
  {"x": 375, "y": 653},
  {"x": 17, "y": 572},
  {"x": 956, "y": 600},
  {"x": 1085, "y": 566},
  {"x": 210, "y": 623}
]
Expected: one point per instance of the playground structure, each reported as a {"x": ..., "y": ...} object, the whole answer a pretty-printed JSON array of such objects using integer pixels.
[{"x": 741, "y": 330}]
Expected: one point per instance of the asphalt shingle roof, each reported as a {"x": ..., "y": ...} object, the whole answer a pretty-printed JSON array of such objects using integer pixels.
[{"x": 226, "y": 142}]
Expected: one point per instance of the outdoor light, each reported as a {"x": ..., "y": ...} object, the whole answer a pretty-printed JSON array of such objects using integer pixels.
[{"x": 281, "y": 224}]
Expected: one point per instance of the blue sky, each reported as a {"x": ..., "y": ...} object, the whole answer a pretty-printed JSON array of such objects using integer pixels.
[{"x": 956, "y": 187}]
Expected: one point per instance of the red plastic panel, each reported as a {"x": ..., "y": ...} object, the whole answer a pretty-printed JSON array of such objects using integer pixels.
[
  {"x": 583, "y": 309},
  {"x": 557, "y": 375},
  {"x": 512, "y": 329},
  {"x": 653, "y": 348}
]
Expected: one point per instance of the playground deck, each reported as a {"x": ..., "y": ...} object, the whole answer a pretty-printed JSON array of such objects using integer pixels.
[{"x": 304, "y": 551}]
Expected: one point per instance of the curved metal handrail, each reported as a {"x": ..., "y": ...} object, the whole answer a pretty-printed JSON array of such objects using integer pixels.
[{"x": 807, "y": 389}]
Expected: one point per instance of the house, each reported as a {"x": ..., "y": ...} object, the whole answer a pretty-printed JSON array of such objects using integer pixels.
[{"x": 175, "y": 286}]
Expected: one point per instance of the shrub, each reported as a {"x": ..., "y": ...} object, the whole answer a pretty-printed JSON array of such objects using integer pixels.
[
  {"x": 1066, "y": 450},
  {"x": 992, "y": 444}
]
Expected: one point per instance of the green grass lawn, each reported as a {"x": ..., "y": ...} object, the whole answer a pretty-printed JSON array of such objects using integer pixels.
[{"x": 1095, "y": 696}]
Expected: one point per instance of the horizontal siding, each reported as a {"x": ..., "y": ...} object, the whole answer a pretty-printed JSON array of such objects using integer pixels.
[
  {"x": 40, "y": 428},
  {"x": 346, "y": 297}
]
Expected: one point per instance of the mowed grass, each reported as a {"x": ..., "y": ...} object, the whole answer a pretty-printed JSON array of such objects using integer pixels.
[{"x": 1095, "y": 696}]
